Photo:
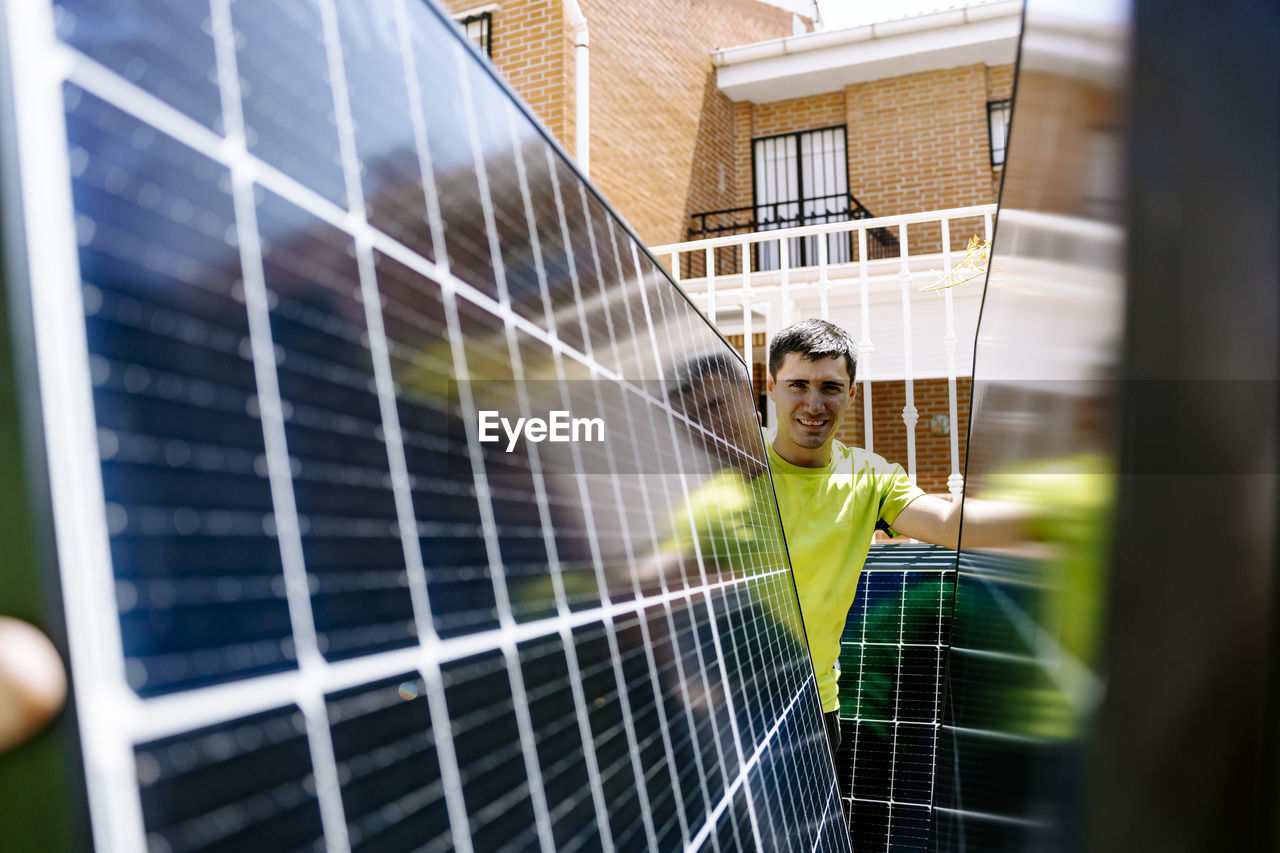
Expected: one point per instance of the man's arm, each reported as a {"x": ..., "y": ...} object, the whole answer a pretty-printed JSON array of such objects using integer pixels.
[{"x": 987, "y": 524}]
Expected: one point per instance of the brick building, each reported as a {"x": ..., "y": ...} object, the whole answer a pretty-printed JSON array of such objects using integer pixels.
[
  {"x": 710, "y": 118},
  {"x": 661, "y": 132}
]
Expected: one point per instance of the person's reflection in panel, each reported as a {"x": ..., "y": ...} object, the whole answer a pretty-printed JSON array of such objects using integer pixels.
[
  {"x": 1067, "y": 496},
  {"x": 726, "y": 529}
]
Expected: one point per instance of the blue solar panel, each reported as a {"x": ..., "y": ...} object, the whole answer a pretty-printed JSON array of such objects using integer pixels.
[{"x": 284, "y": 258}]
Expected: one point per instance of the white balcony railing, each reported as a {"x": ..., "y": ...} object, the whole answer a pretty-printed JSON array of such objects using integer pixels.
[{"x": 914, "y": 333}]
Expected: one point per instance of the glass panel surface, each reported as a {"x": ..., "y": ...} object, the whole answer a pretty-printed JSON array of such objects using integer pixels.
[
  {"x": 1022, "y": 677},
  {"x": 424, "y": 511}
]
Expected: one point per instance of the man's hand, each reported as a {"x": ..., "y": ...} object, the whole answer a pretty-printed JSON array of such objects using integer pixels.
[
  {"x": 987, "y": 524},
  {"x": 33, "y": 685}
]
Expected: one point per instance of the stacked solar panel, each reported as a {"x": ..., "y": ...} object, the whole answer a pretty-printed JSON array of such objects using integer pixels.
[{"x": 892, "y": 661}]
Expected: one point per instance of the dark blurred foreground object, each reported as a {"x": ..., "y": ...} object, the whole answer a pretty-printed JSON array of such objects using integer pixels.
[{"x": 1186, "y": 755}]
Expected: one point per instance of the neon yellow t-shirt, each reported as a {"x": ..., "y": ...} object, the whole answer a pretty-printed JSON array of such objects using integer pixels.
[
  {"x": 829, "y": 516},
  {"x": 733, "y": 520}
]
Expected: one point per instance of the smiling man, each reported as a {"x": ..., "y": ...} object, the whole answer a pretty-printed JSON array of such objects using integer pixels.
[{"x": 832, "y": 496}]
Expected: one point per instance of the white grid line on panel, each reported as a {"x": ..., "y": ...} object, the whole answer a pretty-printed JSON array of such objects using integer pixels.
[
  {"x": 526, "y": 197},
  {"x": 991, "y": 654},
  {"x": 624, "y": 697},
  {"x": 136, "y": 102},
  {"x": 826, "y": 810},
  {"x": 857, "y": 730},
  {"x": 706, "y": 689},
  {"x": 682, "y": 675},
  {"x": 427, "y": 661},
  {"x": 937, "y": 691},
  {"x": 419, "y": 121},
  {"x": 858, "y": 644},
  {"x": 932, "y": 723},
  {"x": 380, "y": 360},
  {"x": 663, "y": 723},
  {"x": 993, "y": 818},
  {"x": 310, "y": 694},
  {"x": 993, "y": 734},
  {"x": 668, "y": 615},
  {"x": 897, "y": 703},
  {"x": 890, "y": 802},
  {"x": 741, "y": 778},
  {"x": 482, "y": 494},
  {"x": 751, "y": 662},
  {"x": 917, "y": 804},
  {"x": 578, "y": 307},
  {"x": 719, "y": 651},
  {"x": 598, "y": 565},
  {"x": 74, "y": 468},
  {"x": 597, "y": 556},
  {"x": 595, "y": 259},
  {"x": 515, "y": 676},
  {"x": 703, "y": 562},
  {"x": 544, "y": 516},
  {"x": 106, "y": 84},
  {"x": 163, "y": 716},
  {"x": 682, "y": 474},
  {"x": 787, "y": 592},
  {"x": 935, "y": 722}
]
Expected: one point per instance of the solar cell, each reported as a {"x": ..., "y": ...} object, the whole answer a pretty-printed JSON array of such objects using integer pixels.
[
  {"x": 284, "y": 260},
  {"x": 891, "y": 693}
]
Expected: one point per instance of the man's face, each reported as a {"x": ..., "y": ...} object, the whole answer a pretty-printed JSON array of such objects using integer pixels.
[
  {"x": 722, "y": 408},
  {"x": 811, "y": 398}
]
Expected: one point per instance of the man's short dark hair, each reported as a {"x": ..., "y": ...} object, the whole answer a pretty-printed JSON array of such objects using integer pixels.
[
  {"x": 813, "y": 340},
  {"x": 697, "y": 368}
]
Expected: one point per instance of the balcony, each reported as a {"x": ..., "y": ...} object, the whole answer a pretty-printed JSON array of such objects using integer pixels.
[
  {"x": 878, "y": 277},
  {"x": 774, "y": 216}
]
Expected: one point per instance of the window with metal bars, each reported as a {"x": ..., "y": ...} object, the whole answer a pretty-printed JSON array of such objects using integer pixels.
[
  {"x": 802, "y": 179},
  {"x": 479, "y": 29},
  {"x": 998, "y": 114}
]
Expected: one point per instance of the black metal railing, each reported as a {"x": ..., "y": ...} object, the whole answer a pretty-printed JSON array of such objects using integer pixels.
[{"x": 802, "y": 251}]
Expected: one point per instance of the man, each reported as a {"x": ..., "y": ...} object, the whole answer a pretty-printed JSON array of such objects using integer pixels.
[{"x": 832, "y": 497}]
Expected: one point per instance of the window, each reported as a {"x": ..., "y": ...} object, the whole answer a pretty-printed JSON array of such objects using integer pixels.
[
  {"x": 801, "y": 179},
  {"x": 479, "y": 29},
  {"x": 998, "y": 114}
]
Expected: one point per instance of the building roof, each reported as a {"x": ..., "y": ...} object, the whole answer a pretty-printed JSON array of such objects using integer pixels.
[{"x": 813, "y": 63}]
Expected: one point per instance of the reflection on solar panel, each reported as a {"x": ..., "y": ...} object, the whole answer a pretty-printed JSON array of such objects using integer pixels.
[
  {"x": 1022, "y": 673},
  {"x": 287, "y": 257},
  {"x": 891, "y": 656}
]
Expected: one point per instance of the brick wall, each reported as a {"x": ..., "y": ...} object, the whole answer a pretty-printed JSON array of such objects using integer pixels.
[
  {"x": 915, "y": 142},
  {"x": 532, "y": 45},
  {"x": 665, "y": 142},
  {"x": 662, "y": 135},
  {"x": 1076, "y": 187},
  {"x": 798, "y": 114}
]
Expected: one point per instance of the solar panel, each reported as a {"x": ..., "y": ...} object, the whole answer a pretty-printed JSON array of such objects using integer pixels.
[
  {"x": 277, "y": 264},
  {"x": 1023, "y": 675},
  {"x": 891, "y": 658}
]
